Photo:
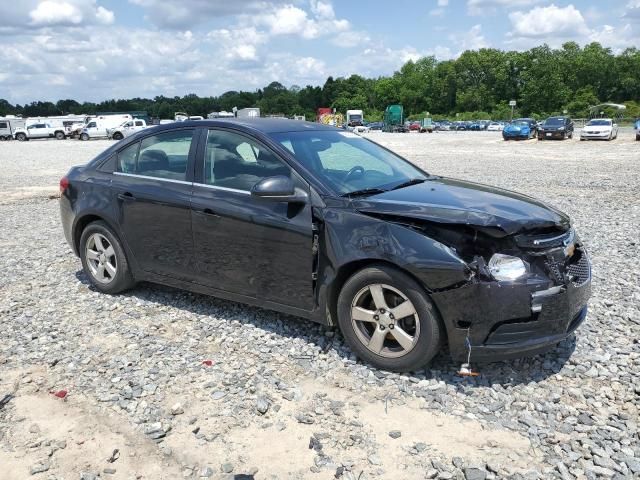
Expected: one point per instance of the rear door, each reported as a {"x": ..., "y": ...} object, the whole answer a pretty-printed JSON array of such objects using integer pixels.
[
  {"x": 247, "y": 245},
  {"x": 152, "y": 189}
]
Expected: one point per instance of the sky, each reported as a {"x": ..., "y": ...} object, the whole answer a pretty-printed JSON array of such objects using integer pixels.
[{"x": 91, "y": 50}]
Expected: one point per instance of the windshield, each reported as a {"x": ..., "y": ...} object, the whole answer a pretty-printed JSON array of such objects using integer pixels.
[
  {"x": 554, "y": 121},
  {"x": 599, "y": 123},
  {"x": 348, "y": 163},
  {"x": 521, "y": 123}
]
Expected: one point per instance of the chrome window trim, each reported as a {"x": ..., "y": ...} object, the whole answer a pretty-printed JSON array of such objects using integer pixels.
[
  {"x": 170, "y": 180},
  {"x": 224, "y": 189}
]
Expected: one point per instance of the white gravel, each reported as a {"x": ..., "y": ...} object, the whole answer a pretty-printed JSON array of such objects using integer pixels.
[{"x": 284, "y": 397}]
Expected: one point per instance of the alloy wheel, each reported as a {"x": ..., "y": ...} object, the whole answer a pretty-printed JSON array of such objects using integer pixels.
[
  {"x": 101, "y": 258},
  {"x": 385, "y": 320}
]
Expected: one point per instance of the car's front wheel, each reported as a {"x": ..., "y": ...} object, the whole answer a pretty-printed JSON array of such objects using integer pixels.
[
  {"x": 387, "y": 319},
  {"x": 84, "y": 137},
  {"x": 103, "y": 259}
]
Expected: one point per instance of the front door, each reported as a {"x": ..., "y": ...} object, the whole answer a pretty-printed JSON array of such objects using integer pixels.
[
  {"x": 247, "y": 245},
  {"x": 153, "y": 187}
]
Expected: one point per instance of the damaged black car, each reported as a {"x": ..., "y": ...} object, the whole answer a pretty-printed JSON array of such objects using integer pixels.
[{"x": 320, "y": 223}]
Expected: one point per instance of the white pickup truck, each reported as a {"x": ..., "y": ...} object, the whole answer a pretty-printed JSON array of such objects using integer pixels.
[
  {"x": 126, "y": 129},
  {"x": 39, "y": 130}
]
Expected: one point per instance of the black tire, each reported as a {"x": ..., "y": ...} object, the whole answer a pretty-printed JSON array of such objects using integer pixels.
[
  {"x": 59, "y": 135},
  {"x": 430, "y": 333},
  {"x": 84, "y": 137},
  {"x": 21, "y": 137},
  {"x": 117, "y": 136},
  {"x": 123, "y": 278}
]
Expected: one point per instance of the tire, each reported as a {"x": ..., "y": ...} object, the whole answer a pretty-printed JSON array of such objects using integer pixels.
[
  {"x": 21, "y": 137},
  {"x": 84, "y": 137},
  {"x": 59, "y": 135},
  {"x": 99, "y": 239},
  {"x": 117, "y": 136},
  {"x": 391, "y": 287}
]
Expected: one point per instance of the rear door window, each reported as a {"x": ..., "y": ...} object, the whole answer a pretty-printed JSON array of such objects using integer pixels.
[
  {"x": 165, "y": 155},
  {"x": 127, "y": 158}
]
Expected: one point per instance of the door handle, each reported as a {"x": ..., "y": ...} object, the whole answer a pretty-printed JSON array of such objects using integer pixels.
[
  {"x": 211, "y": 213},
  {"x": 127, "y": 197}
]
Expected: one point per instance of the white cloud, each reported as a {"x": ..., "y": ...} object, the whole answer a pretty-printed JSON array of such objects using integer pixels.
[
  {"x": 551, "y": 21},
  {"x": 490, "y": 7},
  {"x": 104, "y": 16},
  {"x": 184, "y": 14},
  {"x": 42, "y": 14},
  {"x": 632, "y": 10},
  {"x": 471, "y": 40},
  {"x": 437, "y": 12},
  {"x": 291, "y": 20},
  {"x": 51, "y": 12},
  {"x": 443, "y": 3}
]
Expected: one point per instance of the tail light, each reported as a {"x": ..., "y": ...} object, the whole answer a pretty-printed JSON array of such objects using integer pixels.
[{"x": 64, "y": 184}]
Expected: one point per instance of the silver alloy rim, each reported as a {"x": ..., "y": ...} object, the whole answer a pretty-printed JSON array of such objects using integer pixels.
[
  {"x": 101, "y": 258},
  {"x": 385, "y": 320}
]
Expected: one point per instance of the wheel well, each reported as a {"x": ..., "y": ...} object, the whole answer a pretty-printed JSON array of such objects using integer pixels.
[
  {"x": 79, "y": 228},
  {"x": 348, "y": 269}
]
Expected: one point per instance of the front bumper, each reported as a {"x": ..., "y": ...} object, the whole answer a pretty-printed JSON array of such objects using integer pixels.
[
  {"x": 516, "y": 136},
  {"x": 502, "y": 320},
  {"x": 595, "y": 136},
  {"x": 544, "y": 134}
]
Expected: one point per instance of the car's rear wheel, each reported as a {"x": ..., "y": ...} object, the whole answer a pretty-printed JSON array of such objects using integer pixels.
[
  {"x": 387, "y": 319},
  {"x": 103, "y": 259}
]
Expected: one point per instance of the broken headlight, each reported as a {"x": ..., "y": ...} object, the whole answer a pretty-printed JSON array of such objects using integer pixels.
[{"x": 506, "y": 267}]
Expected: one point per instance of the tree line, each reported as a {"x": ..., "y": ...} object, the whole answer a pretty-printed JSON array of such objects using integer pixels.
[{"x": 478, "y": 84}]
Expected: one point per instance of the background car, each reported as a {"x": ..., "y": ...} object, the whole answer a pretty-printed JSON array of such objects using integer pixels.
[
  {"x": 556, "y": 127},
  {"x": 495, "y": 127},
  {"x": 599, "y": 129},
  {"x": 637, "y": 129},
  {"x": 520, "y": 129},
  {"x": 376, "y": 126},
  {"x": 414, "y": 126}
]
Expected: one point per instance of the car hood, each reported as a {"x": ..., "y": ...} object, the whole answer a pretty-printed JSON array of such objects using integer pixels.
[{"x": 450, "y": 201}]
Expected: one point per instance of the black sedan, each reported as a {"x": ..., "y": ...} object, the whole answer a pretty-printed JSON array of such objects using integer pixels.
[
  {"x": 324, "y": 224},
  {"x": 556, "y": 127}
]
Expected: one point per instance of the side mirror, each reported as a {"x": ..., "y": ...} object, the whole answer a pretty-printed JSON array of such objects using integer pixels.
[{"x": 279, "y": 189}]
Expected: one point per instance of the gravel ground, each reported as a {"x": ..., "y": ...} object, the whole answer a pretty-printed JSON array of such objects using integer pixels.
[{"x": 164, "y": 384}]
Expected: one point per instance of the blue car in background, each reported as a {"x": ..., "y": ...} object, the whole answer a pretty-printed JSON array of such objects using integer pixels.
[
  {"x": 520, "y": 129},
  {"x": 637, "y": 129}
]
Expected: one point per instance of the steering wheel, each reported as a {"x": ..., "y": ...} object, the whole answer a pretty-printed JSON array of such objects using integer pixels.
[{"x": 353, "y": 171}]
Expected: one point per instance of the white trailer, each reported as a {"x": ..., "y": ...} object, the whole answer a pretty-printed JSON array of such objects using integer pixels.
[
  {"x": 248, "y": 113},
  {"x": 9, "y": 125}
]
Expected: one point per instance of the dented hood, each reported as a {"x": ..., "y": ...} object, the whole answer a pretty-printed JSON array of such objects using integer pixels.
[{"x": 450, "y": 201}]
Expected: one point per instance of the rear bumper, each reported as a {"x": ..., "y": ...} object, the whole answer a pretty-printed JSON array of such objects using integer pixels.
[{"x": 499, "y": 320}]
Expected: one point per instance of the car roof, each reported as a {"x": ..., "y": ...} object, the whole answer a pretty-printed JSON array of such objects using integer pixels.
[{"x": 264, "y": 125}]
